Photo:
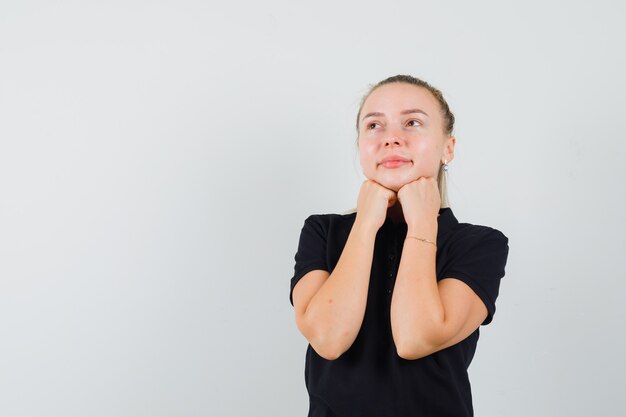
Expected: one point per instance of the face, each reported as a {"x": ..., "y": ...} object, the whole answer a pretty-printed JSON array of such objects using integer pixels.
[{"x": 402, "y": 120}]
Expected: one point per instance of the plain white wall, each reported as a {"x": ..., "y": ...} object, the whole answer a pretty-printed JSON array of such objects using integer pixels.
[{"x": 158, "y": 159}]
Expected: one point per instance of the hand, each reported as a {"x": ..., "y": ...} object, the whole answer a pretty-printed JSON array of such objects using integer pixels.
[
  {"x": 420, "y": 202},
  {"x": 374, "y": 200}
]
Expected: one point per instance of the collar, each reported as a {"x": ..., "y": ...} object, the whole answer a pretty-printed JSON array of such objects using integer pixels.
[{"x": 445, "y": 222}]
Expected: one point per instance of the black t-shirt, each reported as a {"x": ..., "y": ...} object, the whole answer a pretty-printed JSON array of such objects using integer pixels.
[{"x": 370, "y": 379}]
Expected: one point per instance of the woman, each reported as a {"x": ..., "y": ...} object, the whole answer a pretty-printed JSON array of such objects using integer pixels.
[{"x": 391, "y": 297}]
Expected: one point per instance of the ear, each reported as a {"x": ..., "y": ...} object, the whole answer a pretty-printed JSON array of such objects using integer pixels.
[{"x": 448, "y": 150}]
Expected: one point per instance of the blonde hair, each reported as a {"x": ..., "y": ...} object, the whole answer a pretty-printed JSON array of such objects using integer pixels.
[{"x": 448, "y": 125}]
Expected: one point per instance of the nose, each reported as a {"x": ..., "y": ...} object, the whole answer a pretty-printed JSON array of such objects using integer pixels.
[
  {"x": 394, "y": 134},
  {"x": 392, "y": 142},
  {"x": 393, "y": 139}
]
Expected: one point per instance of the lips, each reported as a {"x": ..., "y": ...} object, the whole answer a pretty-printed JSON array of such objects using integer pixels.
[{"x": 394, "y": 158}]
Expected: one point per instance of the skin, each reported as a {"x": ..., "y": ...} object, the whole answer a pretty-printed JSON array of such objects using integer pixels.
[
  {"x": 426, "y": 315},
  {"x": 415, "y": 136}
]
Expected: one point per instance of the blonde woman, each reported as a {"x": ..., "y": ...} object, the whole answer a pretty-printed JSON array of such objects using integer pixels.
[{"x": 391, "y": 297}]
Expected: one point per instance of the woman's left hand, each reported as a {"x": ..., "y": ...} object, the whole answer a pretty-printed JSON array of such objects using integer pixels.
[{"x": 420, "y": 202}]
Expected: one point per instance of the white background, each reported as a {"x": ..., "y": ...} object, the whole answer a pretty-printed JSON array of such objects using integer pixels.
[{"x": 158, "y": 159}]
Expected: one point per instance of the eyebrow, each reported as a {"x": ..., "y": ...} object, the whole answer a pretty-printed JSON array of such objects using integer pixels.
[{"x": 409, "y": 111}]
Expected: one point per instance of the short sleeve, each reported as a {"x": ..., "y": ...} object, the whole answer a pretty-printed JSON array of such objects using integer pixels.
[
  {"x": 311, "y": 253},
  {"x": 479, "y": 258}
]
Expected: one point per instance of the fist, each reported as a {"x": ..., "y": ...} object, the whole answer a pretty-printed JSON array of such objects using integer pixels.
[{"x": 373, "y": 202}]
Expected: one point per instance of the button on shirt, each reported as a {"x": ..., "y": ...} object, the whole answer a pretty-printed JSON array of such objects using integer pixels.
[{"x": 370, "y": 379}]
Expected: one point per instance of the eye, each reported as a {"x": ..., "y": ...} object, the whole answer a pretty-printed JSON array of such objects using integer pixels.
[
  {"x": 370, "y": 125},
  {"x": 414, "y": 121}
]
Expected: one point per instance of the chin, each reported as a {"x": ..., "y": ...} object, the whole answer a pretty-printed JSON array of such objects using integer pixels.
[
  {"x": 394, "y": 185},
  {"x": 392, "y": 180}
]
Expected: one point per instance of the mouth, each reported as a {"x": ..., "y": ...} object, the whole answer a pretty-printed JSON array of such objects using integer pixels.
[{"x": 395, "y": 163}]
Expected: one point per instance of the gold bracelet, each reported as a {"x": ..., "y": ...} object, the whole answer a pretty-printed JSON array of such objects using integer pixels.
[{"x": 424, "y": 240}]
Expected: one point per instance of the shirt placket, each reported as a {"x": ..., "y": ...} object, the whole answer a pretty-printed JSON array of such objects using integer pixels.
[{"x": 392, "y": 261}]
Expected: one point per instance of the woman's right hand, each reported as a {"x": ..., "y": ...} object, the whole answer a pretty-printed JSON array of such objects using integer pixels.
[{"x": 374, "y": 200}]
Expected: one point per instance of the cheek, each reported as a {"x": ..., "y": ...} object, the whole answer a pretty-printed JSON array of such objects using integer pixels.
[
  {"x": 367, "y": 155},
  {"x": 424, "y": 148},
  {"x": 423, "y": 144}
]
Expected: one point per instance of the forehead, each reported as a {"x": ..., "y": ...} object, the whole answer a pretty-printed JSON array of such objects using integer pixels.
[{"x": 395, "y": 97}]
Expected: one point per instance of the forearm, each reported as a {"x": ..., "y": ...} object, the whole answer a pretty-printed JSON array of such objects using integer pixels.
[
  {"x": 336, "y": 311},
  {"x": 417, "y": 312}
]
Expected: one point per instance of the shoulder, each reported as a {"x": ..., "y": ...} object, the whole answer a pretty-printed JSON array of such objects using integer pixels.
[
  {"x": 468, "y": 236},
  {"x": 330, "y": 220},
  {"x": 477, "y": 242}
]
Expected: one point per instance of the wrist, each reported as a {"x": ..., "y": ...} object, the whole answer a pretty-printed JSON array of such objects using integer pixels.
[
  {"x": 424, "y": 231},
  {"x": 423, "y": 240},
  {"x": 364, "y": 228}
]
